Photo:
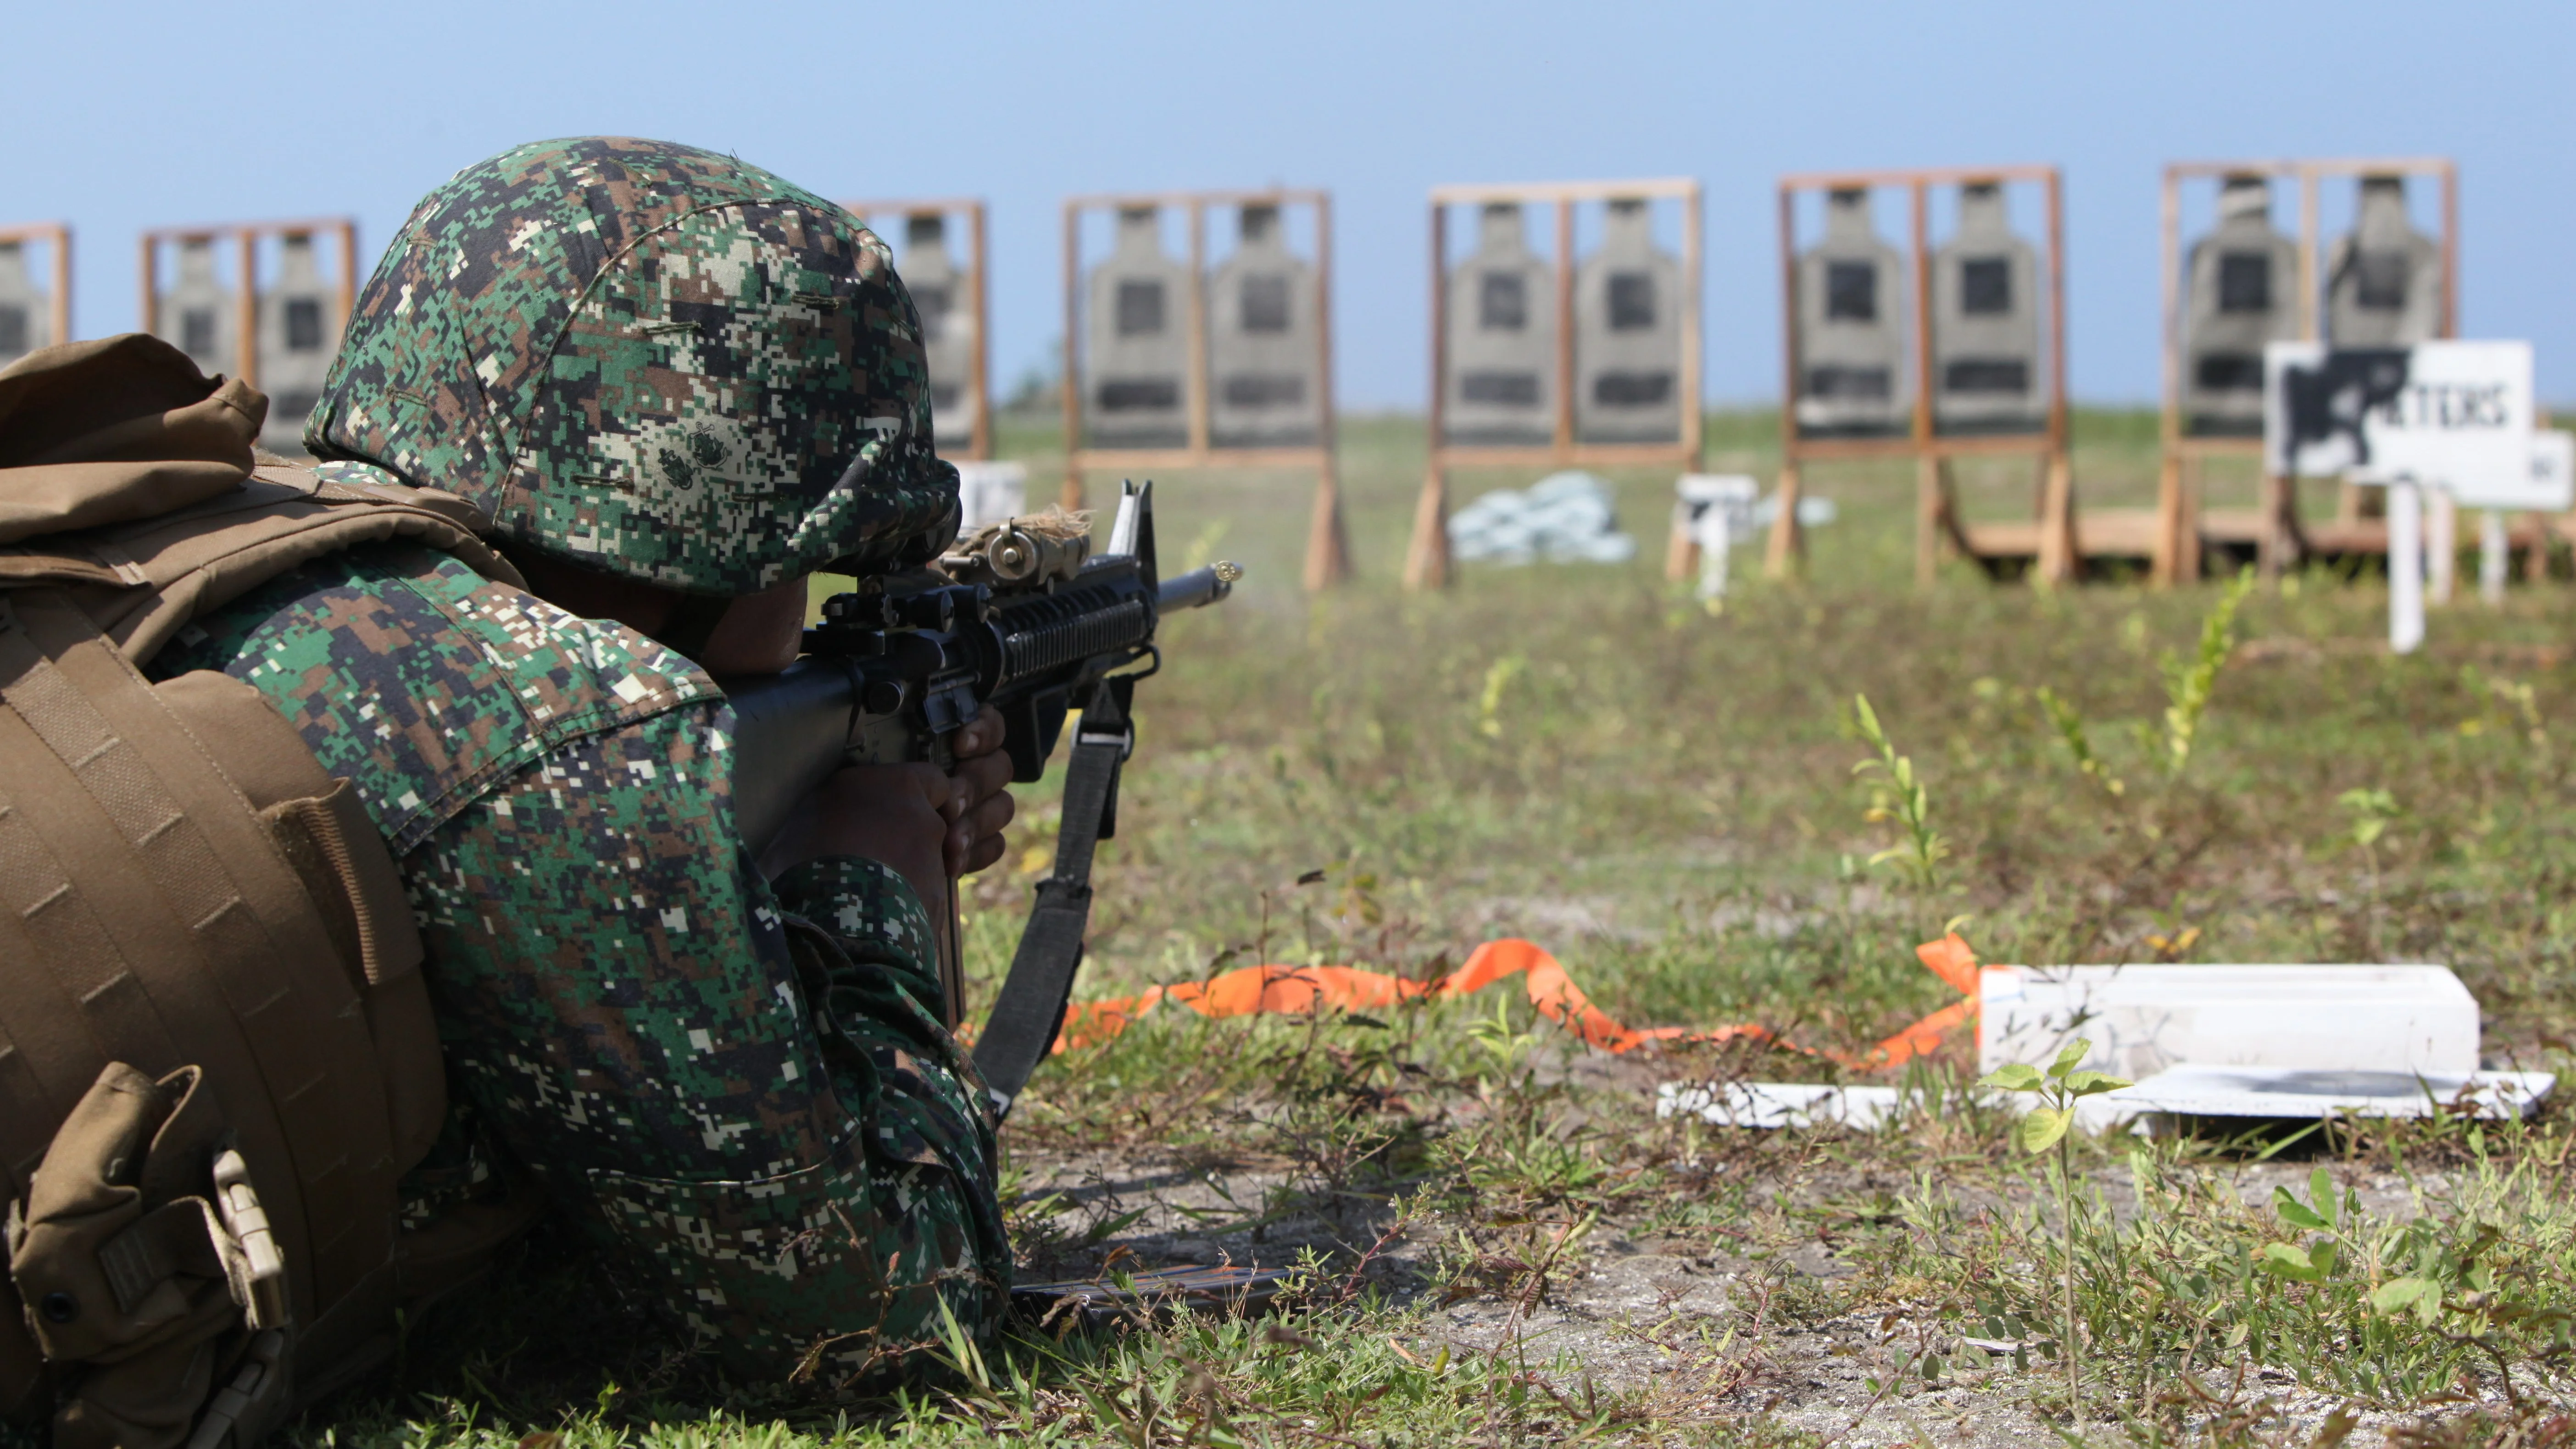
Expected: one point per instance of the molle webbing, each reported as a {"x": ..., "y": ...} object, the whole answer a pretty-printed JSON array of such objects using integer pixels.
[
  {"x": 154, "y": 918},
  {"x": 182, "y": 886}
]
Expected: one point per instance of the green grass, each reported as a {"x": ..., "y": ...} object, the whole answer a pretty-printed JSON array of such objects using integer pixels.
[{"x": 1665, "y": 798}]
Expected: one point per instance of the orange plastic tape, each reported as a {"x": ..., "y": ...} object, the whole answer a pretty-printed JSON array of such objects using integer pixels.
[{"x": 1252, "y": 990}]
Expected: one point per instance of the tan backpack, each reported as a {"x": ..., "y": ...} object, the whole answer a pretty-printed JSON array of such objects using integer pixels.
[{"x": 216, "y": 1051}]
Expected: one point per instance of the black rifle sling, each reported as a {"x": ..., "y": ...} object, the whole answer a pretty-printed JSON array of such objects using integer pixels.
[{"x": 1023, "y": 1026}]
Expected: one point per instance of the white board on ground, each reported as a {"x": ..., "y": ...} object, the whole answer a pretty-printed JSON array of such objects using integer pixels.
[
  {"x": 1776, "y": 1104},
  {"x": 2143, "y": 1020},
  {"x": 2277, "y": 1092},
  {"x": 2450, "y": 415}
]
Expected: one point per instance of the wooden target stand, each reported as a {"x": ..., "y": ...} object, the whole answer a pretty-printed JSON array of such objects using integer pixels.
[
  {"x": 57, "y": 238},
  {"x": 1327, "y": 544},
  {"x": 1426, "y": 559},
  {"x": 245, "y": 237},
  {"x": 2055, "y": 541},
  {"x": 2273, "y": 528},
  {"x": 979, "y": 381}
]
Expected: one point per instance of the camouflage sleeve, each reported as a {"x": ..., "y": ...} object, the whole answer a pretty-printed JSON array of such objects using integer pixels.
[{"x": 746, "y": 1085}]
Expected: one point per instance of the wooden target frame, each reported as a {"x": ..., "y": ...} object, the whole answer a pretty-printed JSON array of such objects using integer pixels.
[
  {"x": 1426, "y": 562},
  {"x": 2055, "y": 541},
  {"x": 2184, "y": 530},
  {"x": 57, "y": 236},
  {"x": 979, "y": 377},
  {"x": 1327, "y": 543},
  {"x": 245, "y": 237}
]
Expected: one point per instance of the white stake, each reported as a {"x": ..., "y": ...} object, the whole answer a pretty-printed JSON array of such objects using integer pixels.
[
  {"x": 2495, "y": 551},
  {"x": 1716, "y": 544},
  {"x": 2405, "y": 567},
  {"x": 2441, "y": 545}
]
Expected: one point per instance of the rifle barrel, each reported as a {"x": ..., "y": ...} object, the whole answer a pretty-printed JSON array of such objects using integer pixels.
[{"x": 1197, "y": 587}]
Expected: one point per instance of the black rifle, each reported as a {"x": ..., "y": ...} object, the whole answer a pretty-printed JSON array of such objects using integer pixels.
[{"x": 1029, "y": 622}]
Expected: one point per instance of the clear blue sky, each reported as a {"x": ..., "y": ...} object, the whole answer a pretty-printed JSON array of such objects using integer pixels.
[{"x": 125, "y": 116}]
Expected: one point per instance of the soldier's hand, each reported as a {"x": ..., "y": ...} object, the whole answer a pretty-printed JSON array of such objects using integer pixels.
[
  {"x": 896, "y": 815},
  {"x": 981, "y": 804}
]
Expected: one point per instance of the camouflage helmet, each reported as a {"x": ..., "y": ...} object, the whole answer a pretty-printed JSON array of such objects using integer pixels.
[{"x": 651, "y": 360}]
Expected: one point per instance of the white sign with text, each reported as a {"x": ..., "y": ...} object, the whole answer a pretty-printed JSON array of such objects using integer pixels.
[
  {"x": 2553, "y": 472},
  {"x": 2449, "y": 415}
]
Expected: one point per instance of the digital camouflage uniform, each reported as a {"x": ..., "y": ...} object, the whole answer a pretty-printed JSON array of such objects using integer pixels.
[{"x": 668, "y": 365}]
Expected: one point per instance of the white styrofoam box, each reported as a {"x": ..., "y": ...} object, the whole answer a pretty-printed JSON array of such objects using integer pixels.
[
  {"x": 2264, "y": 1092},
  {"x": 1716, "y": 508},
  {"x": 990, "y": 493},
  {"x": 2143, "y": 1020},
  {"x": 1776, "y": 1104}
]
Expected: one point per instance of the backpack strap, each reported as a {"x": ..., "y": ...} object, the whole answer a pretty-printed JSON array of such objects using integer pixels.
[{"x": 141, "y": 582}]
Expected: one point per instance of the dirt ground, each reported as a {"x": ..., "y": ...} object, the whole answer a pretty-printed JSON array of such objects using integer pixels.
[{"x": 1699, "y": 1334}]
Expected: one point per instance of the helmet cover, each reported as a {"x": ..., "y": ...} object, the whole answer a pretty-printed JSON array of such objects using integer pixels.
[{"x": 650, "y": 360}]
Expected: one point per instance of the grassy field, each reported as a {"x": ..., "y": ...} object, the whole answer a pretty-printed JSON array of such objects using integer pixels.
[{"x": 1506, "y": 1245}]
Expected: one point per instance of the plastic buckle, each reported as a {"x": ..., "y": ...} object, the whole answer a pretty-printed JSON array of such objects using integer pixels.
[
  {"x": 244, "y": 1410},
  {"x": 247, "y": 1221}
]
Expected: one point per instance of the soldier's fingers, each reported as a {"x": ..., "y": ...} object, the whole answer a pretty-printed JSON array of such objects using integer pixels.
[
  {"x": 979, "y": 826},
  {"x": 981, "y": 736},
  {"x": 994, "y": 813},
  {"x": 930, "y": 782},
  {"x": 986, "y": 851},
  {"x": 927, "y": 781},
  {"x": 983, "y": 777}
]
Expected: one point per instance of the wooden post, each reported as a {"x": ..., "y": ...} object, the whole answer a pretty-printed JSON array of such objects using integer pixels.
[
  {"x": 2057, "y": 507},
  {"x": 1784, "y": 553},
  {"x": 2450, "y": 249},
  {"x": 151, "y": 274},
  {"x": 246, "y": 305},
  {"x": 2308, "y": 309},
  {"x": 979, "y": 368},
  {"x": 348, "y": 230},
  {"x": 1564, "y": 327},
  {"x": 1928, "y": 468},
  {"x": 1328, "y": 549},
  {"x": 2060, "y": 556},
  {"x": 2169, "y": 481},
  {"x": 2189, "y": 547},
  {"x": 1426, "y": 556},
  {"x": 1694, "y": 419},
  {"x": 1426, "y": 563},
  {"x": 1786, "y": 549},
  {"x": 1071, "y": 495},
  {"x": 1681, "y": 551},
  {"x": 2280, "y": 504},
  {"x": 1198, "y": 338},
  {"x": 2168, "y": 541},
  {"x": 57, "y": 238},
  {"x": 1327, "y": 546},
  {"x": 1928, "y": 473}
]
